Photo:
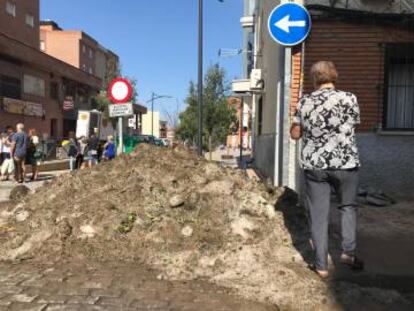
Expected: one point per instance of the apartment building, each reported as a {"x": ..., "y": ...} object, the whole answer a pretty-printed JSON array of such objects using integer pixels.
[
  {"x": 20, "y": 20},
  {"x": 78, "y": 49},
  {"x": 372, "y": 44},
  {"x": 35, "y": 88}
]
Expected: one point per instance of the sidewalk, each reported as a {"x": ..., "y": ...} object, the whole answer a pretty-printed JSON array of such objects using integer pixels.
[
  {"x": 228, "y": 157},
  {"x": 7, "y": 186}
]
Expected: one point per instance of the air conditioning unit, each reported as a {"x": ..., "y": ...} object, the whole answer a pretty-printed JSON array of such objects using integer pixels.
[
  {"x": 241, "y": 86},
  {"x": 256, "y": 80}
]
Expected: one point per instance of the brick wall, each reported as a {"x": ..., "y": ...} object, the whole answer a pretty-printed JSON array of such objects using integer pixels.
[
  {"x": 355, "y": 48},
  {"x": 16, "y": 59},
  {"x": 296, "y": 78},
  {"x": 16, "y": 26},
  {"x": 87, "y": 62},
  {"x": 62, "y": 45},
  {"x": 52, "y": 107}
]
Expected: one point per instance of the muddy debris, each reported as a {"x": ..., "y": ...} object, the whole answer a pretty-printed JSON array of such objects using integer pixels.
[
  {"x": 184, "y": 216},
  {"x": 176, "y": 201},
  {"x": 18, "y": 193}
]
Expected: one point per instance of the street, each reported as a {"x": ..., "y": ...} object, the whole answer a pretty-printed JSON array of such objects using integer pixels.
[{"x": 84, "y": 287}]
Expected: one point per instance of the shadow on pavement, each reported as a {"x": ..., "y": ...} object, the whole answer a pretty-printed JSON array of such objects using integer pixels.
[
  {"x": 45, "y": 177},
  {"x": 372, "y": 289}
]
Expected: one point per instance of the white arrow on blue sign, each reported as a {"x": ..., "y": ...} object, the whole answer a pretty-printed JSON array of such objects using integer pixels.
[{"x": 289, "y": 24}]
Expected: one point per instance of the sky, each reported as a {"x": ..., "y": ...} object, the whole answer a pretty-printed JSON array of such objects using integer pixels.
[{"x": 156, "y": 40}]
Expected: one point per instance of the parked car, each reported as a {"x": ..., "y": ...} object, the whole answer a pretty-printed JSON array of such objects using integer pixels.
[{"x": 152, "y": 140}]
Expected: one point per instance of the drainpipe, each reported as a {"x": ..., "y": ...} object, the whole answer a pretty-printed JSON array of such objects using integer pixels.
[
  {"x": 284, "y": 121},
  {"x": 278, "y": 140}
]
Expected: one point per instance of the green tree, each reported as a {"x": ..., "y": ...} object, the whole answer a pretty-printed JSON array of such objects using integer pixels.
[
  {"x": 217, "y": 114},
  {"x": 187, "y": 128}
]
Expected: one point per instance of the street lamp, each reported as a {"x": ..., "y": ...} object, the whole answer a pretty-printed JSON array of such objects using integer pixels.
[
  {"x": 154, "y": 97},
  {"x": 200, "y": 76}
]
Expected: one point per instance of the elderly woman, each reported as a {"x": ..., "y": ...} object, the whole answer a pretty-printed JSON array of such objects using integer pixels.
[
  {"x": 326, "y": 121},
  {"x": 31, "y": 154},
  {"x": 109, "y": 149}
]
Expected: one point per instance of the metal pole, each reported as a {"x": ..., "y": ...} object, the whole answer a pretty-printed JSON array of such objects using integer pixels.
[
  {"x": 121, "y": 136},
  {"x": 152, "y": 114},
  {"x": 200, "y": 77}
]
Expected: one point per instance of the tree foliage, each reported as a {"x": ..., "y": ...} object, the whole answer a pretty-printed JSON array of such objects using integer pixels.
[{"x": 217, "y": 114}]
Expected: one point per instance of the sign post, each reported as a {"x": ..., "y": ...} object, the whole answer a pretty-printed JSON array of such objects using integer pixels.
[
  {"x": 289, "y": 24},
  {"x": 119, "y": 92}
]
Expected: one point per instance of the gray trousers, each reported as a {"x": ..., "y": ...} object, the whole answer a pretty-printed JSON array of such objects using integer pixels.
[{"x": 318, "y": 200}]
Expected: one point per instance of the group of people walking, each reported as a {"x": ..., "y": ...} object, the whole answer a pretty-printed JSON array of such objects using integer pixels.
[
  {"x": 18, "y": 149},
  {"x": 87, "y": 151}
]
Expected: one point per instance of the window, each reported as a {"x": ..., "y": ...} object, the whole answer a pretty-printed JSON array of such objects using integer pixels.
[
  {"x": 83, "y": 48},
  {"x": 30, "y": 20},
  {"x": 90, "y": 70},
  {"x": 90, "y": 53},
  {"x": 10, "y": 87},
  {"x": 34, "y": 85},
  {"x": 84, "y": 67},
  {"x": 42, "y": 45},
  {"x": 11, "y": 8},
  {"x": 54, "y": 90},
  {"x": 399, "y": 87}
]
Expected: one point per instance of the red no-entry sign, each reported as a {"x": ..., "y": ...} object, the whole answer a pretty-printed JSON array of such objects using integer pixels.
[{"x": 120, "y": 91}]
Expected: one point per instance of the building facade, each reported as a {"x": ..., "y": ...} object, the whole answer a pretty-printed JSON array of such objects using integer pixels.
[
  {"x": 241, "y": 130},
  {"x": 153, "y": 125},
  {"x": 35, "y": 87},
  {"x": 372, "y": 43},
  {"x": 78, "y": 49}
]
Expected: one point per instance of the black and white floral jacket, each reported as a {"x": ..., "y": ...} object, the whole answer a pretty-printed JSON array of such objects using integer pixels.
[{"x": 328, "y": 118}]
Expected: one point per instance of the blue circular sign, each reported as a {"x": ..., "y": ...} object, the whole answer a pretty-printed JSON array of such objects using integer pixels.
[{"x": 289, "y": 24}]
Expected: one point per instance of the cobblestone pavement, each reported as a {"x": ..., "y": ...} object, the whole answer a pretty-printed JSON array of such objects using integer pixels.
[{"x": 108, "y": 287}]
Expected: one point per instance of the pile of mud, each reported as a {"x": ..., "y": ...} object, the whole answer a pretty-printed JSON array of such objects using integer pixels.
[{"x": 167, "y": 208}]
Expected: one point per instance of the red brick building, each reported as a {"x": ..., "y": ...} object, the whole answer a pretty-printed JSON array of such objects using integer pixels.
[
  {"x": 366, "y": 49},
  {"x": 34, "y": 85},
  {"x": 372, "y": 45},
  {"x": 374, "y": 55},
  {"x": 78, "y": 49}
]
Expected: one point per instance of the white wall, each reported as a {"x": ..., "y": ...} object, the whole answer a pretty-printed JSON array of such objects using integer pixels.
[
  {"x": 146, "y": 123},
  {"x": 270, "y": 58}
]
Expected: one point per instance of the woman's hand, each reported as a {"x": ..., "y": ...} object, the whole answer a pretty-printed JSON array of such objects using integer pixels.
[{"x": 296, "y": 131}]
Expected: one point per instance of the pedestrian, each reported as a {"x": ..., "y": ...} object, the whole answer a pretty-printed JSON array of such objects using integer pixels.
[
  {"x": 82, "y": 158},
  {"x": 32, "y": 156},
  {"x": 1, "y": 148},
  {"x": 109, "y": 149},
  {"x": 73, "y": 151},
  {"x": 92, "y": 148},
  {"x": 20, "y": 142},
  {"x": 7, "y": 167},
  {"x": 326, "y": 121}
]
